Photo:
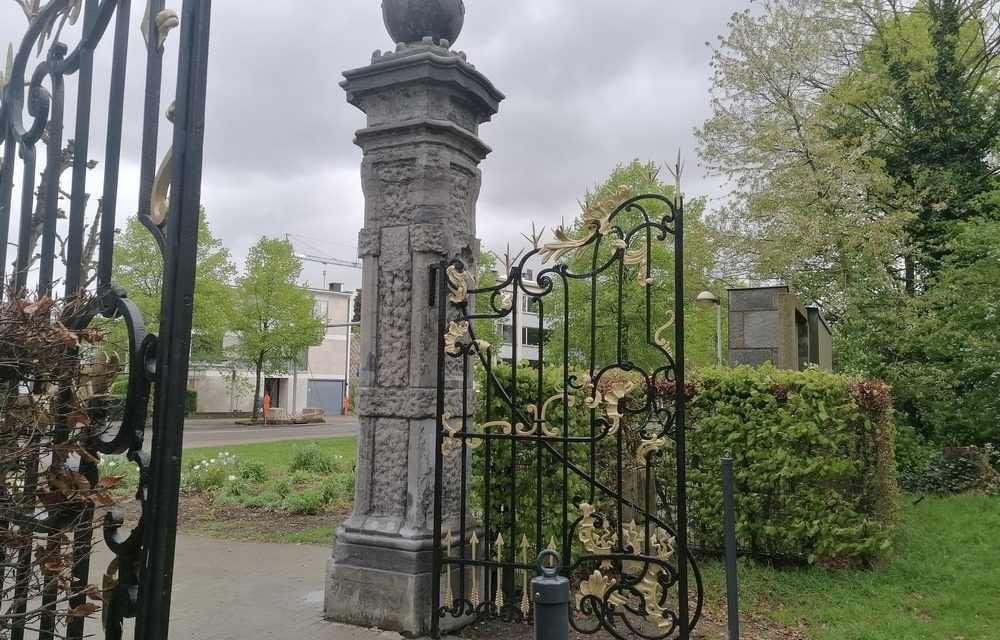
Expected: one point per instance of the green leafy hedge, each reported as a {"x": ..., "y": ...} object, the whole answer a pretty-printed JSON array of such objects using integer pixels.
[{"x": 813, "y": 462}]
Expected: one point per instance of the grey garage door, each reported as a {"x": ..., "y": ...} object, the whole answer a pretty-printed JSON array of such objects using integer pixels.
[{"x": 327, "y": 394}]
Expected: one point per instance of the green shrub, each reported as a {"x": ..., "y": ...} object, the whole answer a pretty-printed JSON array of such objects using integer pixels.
[
  {"x": 252, "y": 471},
  {"x": 311, "y": 458},
  {"x": 300, "y": 476},
  {"x": 812, "y": 457},
  {"x": 190, "y": 401},
  {"x": 960, "y": 470},
  {"x": 233, "y": 491},
  {"x": 306, "y": 502},
  {"x": 209, "y": 474}
]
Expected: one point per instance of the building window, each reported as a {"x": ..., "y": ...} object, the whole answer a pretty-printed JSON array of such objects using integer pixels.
[
  {"x": 533, "y": 336},
  {"x": 530, "y": 304},
  {"x": 507, "y": 334},
  {"x": 321, "y": 308}
]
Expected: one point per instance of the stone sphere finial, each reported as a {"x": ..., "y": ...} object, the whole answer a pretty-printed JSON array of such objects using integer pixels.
[{"x": 411, "y": 21}]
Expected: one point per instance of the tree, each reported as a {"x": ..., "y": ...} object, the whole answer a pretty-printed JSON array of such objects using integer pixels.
[
  {"x": 808, "y": 208},
  {"x": 861, "y": 137},
  {"x": 274, "y": 316},
  {"x": 629, "y": 319},
  {"x": 138, "y": 267}
]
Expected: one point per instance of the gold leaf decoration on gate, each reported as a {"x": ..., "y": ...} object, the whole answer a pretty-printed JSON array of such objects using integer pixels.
[
  {"x": 609, "y": 399},
  {"x": 457, "y": 331},
  {"x": 595, "y": 220},
  {"x": 658, "y": 338},
  {"x": 451, "y": 431},
  {"x": 541, "y": 419},
  {"x": 459, "y": 285},
  {"x": 648, "y": 593},
  {"x": 647, "y": 447}
]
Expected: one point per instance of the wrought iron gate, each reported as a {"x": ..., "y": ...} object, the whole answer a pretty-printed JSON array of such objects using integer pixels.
[
  {"x": 576, "y": 443},
  {"x": 46, "y": 575}
]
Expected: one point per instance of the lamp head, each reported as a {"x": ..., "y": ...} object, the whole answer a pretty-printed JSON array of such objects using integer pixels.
[{"x": 707, "y": 299}]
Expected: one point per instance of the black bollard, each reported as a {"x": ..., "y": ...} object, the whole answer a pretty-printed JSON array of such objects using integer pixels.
[
  {"x": 729, "y": 528},
  {"x": 551, "y": 595}
]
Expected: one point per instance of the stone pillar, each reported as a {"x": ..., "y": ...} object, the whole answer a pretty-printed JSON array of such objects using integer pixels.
[{"x": 424, "y": 104}]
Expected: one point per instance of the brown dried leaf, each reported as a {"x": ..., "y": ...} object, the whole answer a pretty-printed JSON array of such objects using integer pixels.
[
  {"x": 82, "y": 610},
  {"x": 85, "y": 455},
  {"x": 102, "y": 499},
  {"x": 51, "y": 498},
  {"x": 41, "y": 305},
  {"x": 109, "y": 482}
]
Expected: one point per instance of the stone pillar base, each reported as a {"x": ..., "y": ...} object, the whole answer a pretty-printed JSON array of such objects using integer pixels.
[{"x": 369, "y": 597}]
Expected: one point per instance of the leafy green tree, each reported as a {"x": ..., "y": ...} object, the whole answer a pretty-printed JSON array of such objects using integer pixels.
[
  {"x": 628, "y": 317},
  {"x": 938, "y": 349},
  {"x": 275, "y": 317},
  {"x": 138, "y": 267},
  {"x": 860, "y": 138},
  {"x": 808, "y": 208}
]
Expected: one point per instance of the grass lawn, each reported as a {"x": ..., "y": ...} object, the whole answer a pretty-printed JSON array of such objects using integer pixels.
[
  {"x": 276, "y": 455},
  {"x": 207, "y": 517},
  {"x": 942, "y": 582}
]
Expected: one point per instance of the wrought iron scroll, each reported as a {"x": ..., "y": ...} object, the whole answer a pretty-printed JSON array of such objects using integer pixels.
[
  {"x": 63, "y": 236},
  {"x": 592, "y": 467}
]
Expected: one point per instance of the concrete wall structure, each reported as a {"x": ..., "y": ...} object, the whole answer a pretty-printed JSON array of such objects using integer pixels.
[{"x": 770, "y": 324}]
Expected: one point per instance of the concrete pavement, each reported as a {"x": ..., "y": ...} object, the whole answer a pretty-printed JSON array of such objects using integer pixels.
[{"x": 226, "y": 590}]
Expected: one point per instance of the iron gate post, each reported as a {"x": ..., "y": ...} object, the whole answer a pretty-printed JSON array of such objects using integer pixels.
[{"x": 424, "y": 104}]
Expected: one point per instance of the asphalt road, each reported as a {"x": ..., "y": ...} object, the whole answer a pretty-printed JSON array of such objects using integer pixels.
[{"x": 222, "y": 432}]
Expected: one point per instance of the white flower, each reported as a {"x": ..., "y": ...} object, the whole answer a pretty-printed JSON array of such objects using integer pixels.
[
  {"x": 212, "y": 461},
  {"x": 231, "y": 478}
]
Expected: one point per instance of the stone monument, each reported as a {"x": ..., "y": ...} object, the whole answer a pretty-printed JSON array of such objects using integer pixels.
[{"x": 424, "y": 104}]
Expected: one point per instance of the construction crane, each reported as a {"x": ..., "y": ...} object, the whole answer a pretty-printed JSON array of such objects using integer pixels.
[{"x": 354, "y": 264}]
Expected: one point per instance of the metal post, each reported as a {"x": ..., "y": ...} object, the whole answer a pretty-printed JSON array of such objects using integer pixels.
[
  {"x": 729, "y": 530},
  {"x": 718, "y": 331},
  {"x": 550, "y": 592}
]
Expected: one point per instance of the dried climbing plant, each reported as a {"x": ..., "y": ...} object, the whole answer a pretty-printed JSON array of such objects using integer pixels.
[{"x": 52, "y": 378}]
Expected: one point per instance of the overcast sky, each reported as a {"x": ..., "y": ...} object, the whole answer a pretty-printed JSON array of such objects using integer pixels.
[{"x": 589, "y": 84}]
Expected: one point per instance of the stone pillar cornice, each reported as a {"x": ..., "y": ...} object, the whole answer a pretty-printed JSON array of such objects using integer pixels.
[{"x": 421, "y": 65}]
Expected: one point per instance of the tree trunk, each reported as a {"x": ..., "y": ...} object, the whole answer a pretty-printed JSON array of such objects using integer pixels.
[{"x": 256, "y": 392}]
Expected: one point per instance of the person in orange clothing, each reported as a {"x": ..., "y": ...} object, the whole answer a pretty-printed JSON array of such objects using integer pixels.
[{"x": 267, "y": 404}]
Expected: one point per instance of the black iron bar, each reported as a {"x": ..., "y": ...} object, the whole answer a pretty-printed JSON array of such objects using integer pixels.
[
  {"x": 113, "y": 147},
  {"x": 151, "y": 111},
  {"x": 6, "y": 190},
  {"x": 81, "y": 151},
  {"x": 53, "y": 169},
  {"x": 176, "y": 304},
  {"x": 441, "y": 299},
  {"x": 679, "y": 423},
  {"x": 24, "y": 248}
]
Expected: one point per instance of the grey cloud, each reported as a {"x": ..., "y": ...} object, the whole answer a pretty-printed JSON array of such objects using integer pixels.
[{"x": 589, "y": 84}]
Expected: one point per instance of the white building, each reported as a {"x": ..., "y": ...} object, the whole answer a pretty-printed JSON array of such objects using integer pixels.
[
  {"x": 529, "y": 325},
  {"x": 319, "y": 379}
]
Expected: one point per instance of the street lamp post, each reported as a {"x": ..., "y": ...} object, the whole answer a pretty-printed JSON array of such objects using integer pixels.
[{"x": 707, "y": 299}]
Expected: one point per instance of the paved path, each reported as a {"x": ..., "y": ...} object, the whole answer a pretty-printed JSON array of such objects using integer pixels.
[
  {"x": 224, "y": 431},
  {"x": 226, "y": 590}
]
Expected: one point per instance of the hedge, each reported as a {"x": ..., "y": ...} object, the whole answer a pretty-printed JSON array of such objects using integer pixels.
[
  {"x": 813, "y": 462},
  {"x": 812, "y": 451}
]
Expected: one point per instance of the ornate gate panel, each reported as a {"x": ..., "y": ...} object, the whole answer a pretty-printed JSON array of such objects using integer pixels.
[
  {"x": 64, "y": 239},
  {"x": 565, "y": 429}
]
